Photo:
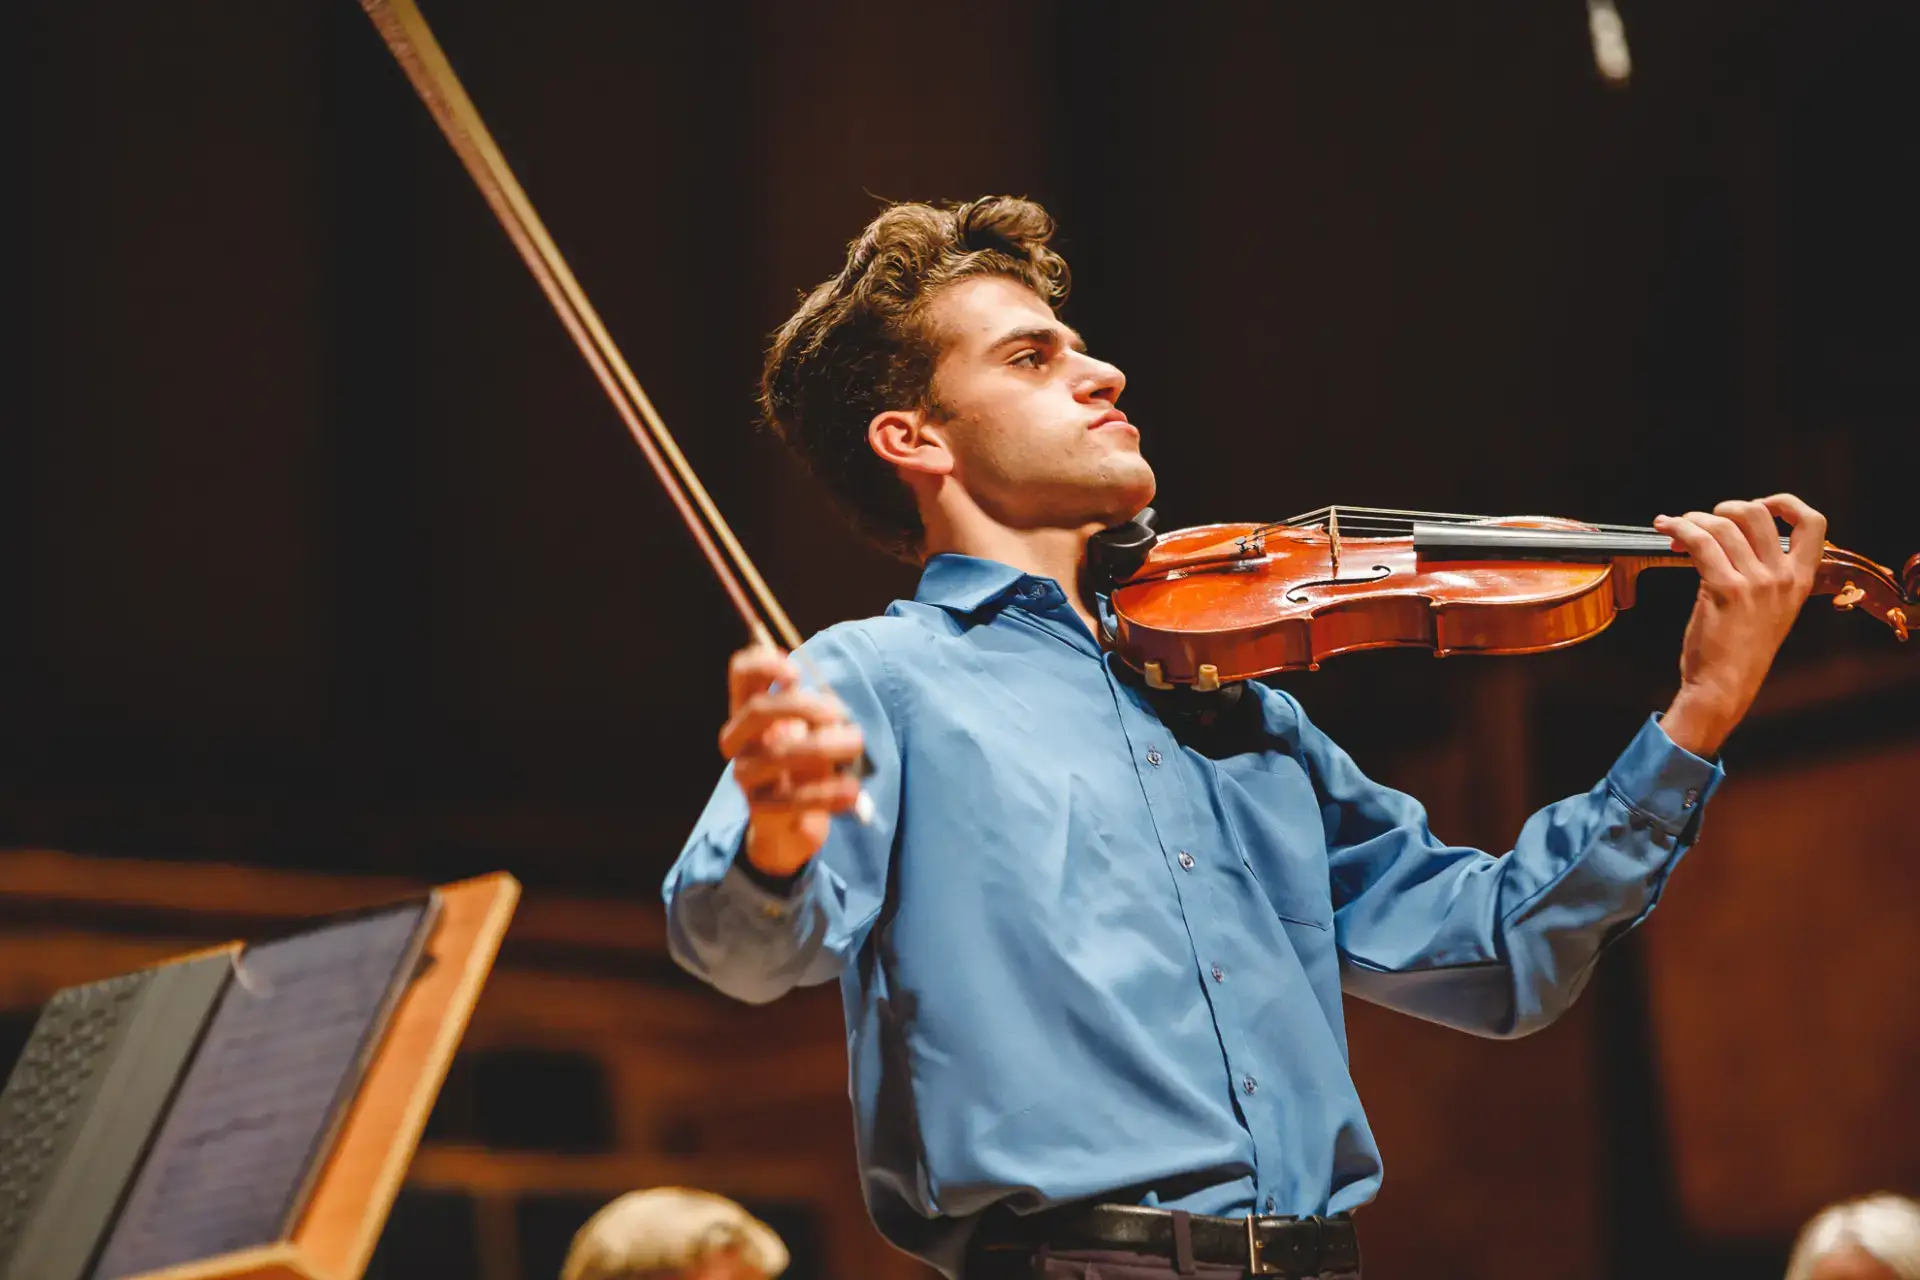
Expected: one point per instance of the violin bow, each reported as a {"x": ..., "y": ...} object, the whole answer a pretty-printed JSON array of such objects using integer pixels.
[
  {"x": 411, "y": 42},
  {"x": 413, "y": 45}
]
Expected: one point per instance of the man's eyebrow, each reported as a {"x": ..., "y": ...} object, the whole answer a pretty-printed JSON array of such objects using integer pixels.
[{"x": 1042, "y": 335}]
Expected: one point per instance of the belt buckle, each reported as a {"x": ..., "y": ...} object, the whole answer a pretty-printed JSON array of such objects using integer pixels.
[{"x": 1256, "y": 1263}]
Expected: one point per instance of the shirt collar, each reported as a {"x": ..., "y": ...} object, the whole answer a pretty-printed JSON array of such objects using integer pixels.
[{"x": 965, "y": 583}]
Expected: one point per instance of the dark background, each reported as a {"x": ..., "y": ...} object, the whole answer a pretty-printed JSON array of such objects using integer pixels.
[{"x": 320, "y": 549}]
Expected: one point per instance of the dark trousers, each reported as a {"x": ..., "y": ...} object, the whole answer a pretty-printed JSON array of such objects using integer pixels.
[{"x": 1049, "y": 1265}]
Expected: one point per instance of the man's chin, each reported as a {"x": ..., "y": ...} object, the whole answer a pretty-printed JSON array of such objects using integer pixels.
[
  {"x": 1133, "y": 491},
  {"x": 1110, "y": 495}
]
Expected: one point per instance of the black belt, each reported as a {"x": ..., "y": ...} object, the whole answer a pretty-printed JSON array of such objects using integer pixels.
[{"x": 1264, "y": 1246}]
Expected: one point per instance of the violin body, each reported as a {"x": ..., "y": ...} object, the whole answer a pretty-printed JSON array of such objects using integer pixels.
[{"x": 1220, "y": 603}]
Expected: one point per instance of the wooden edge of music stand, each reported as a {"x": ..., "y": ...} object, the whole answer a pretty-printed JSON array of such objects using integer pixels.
[
  {"x": 350, "y": 1201},
  {"x": 221, "y": 949}
]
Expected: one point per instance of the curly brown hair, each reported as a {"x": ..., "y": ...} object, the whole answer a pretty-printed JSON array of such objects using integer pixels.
[{"x": 859, "y": 344}]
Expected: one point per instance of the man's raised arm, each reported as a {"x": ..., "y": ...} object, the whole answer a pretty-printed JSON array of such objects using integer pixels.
[{"x": 779, "y": 881}]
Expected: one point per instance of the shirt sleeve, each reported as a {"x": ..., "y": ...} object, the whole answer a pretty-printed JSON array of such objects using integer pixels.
[
  {"x": 1499, "y": 946},
  {"x": 756, "y": 942}
]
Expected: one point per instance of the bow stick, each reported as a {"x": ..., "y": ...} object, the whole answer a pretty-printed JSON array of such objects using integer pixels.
[{"x": 412, "y": 44}]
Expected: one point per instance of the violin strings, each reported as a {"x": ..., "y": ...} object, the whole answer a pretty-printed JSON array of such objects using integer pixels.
[
  {"x": 1384, "y": 522},
  {"x": 1433, "y": 517},
  {"x": 1397, "y": 522}
]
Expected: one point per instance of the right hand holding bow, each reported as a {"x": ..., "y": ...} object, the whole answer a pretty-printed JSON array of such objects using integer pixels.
[{"x": 791, "y": 749}]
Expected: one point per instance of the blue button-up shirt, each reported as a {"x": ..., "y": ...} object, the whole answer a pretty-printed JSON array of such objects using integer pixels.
[{"x": 1079, "y": 959}]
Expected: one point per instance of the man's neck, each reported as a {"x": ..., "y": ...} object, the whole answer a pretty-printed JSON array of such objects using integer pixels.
[{"x": 1044, "y": 553}]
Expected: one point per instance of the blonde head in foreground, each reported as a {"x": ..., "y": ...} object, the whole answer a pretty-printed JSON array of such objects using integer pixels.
[
  {"x": 673, "y": 1233},
  {"x": 1873, "y": 1238}
]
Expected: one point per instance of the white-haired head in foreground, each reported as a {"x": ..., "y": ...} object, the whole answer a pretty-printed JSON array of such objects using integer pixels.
[
  {"x": 673, "y": 1233},
  {"x": 1872, "y": 1238}
]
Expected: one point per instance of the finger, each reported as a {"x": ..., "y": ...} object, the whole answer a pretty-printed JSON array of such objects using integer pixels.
[
  {"x": 757, "y": 775},
  {"x": 831, "y": 795},
  {"x": 1809, "y": 528},
  {"x": 1756, "y": 522},
  {"x": 755, "y": 669},
  {"x": 813, "y": 756},
  {"x": 763, "y": 711},
  {"x": 1732, "y": 539},
  {"x": 1708, "y": 558},
  {"x": 763, "y": 791}
]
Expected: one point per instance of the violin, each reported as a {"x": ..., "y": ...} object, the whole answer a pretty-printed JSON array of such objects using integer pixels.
[{"x": 1207, "y": 606}]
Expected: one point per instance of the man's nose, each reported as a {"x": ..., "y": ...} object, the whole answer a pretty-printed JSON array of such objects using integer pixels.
[{"x": 1101, "y": 381}]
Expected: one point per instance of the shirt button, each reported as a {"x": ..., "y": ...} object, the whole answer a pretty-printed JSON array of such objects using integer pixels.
[
  {"x": 1153, "y": 756},
  {"x": 1186, "y": 860},
  {"x": 772, "y": 912},
  {"x": 1271, "y": 1205},
  {"x": 1691, "y": 799},
  {"x": 1249, "y": 1084},
  {"x": 1220, "y": 975}
]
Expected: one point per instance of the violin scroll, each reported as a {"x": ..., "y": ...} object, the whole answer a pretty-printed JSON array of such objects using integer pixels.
[{"x": 1857, "y": 583}]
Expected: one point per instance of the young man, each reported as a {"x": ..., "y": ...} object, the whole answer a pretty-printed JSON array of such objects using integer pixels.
[{"x": 1092, "y": 964}]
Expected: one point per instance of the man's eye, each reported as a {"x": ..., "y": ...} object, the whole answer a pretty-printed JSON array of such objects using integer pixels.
[{"x": 1031, "y": 359}]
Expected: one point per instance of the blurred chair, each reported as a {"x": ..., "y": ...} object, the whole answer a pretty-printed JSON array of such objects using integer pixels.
[
  {"x": 1872, "y": 1238},
  {"x": 673, "y": 1233}
]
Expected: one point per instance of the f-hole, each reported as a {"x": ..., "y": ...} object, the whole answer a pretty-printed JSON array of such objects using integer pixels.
[{"x": 1297, "y": 595}]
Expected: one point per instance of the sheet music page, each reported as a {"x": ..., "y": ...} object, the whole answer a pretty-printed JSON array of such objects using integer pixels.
[{"x": 281, "y": 1058}]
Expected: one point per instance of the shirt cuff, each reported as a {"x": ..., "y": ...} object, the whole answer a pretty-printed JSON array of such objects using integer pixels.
[
  {"x": 777, "y": 886},
  {"x": 1662, "y": 781},
  {"x": 717, "y": 856},
  {"x": 755, "y": 893}
]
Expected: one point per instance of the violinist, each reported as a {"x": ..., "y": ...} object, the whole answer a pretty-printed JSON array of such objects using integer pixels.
[{"x": 1092, "y": 948}]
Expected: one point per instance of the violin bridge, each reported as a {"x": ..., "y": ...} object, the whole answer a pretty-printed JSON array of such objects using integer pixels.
[{"x": 1333, "y": 538}]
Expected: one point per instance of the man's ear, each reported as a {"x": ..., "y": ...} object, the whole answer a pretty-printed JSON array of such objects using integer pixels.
[{"x": 911, "y": 440}]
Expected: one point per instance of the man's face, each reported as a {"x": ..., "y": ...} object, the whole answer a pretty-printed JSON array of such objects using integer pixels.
[{"x": 1030, "y": 418}]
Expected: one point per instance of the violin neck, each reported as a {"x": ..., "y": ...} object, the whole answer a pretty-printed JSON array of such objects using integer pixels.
[
  {"x": 1629, "y": 552},
  {"x": 1566, "y": 546},
  {"x": 1850, "y": 578}
]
